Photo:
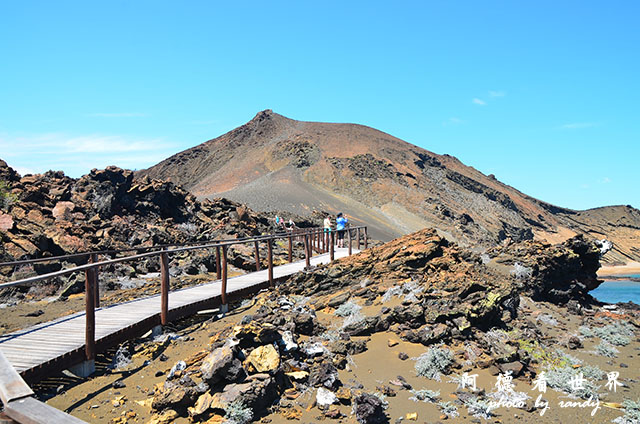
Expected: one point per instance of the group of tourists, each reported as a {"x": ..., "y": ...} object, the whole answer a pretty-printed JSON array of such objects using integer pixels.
[
  {"x": 341, "y": 224},
  {"x": 280, "y": 224}
]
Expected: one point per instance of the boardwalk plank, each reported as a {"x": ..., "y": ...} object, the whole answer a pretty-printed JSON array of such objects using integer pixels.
[
  {"x": 32, "y": 411},
  {"x": 28, "y": 348}
]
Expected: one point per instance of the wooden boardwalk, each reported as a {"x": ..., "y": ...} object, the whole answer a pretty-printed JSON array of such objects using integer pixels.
[{"x": 44, "y": 343}]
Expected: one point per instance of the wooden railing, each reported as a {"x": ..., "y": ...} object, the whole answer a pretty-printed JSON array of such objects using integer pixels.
[
  {"x": 19, "y": 402},
  {"x": 313, "y": 239}
]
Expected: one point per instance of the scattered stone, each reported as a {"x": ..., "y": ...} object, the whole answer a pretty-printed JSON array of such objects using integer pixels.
[
  {"x": 202, "y": 405},
  {"x": 514, "y": 367},
  {"x": 169, "y": 397},
  {"x": 324, "y": 374},
  {"x": 216, "y": 363},
  {"x": 574, "y": 342},
  {"x": 291, "y": 413},
  {"x": 165, "y": 417},
  {"x": 325, "y": 397},
  {"x": 264, "y": 358},
  {"x": 344, "y": 395},
  {"x": 332, "y": 412},
  {"x": 369, "y": 409},
  {"x": 403, "y": 356},
  {"x": 176, "y": 369}
]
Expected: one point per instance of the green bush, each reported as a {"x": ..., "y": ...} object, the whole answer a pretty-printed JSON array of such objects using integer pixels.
[{"x": 6, "y": 197}]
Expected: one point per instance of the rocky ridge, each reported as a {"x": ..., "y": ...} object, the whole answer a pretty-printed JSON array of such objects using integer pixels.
[
  {"x": 421, "y": 289},
  {"x": 51, "y": 214}
]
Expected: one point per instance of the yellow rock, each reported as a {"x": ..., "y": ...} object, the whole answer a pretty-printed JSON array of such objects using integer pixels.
[
  {"x": 344, "y": 394},
  {"x": 412, "y": 416},
  {"x": 166, "y": 417},
  {"x": 392, "y": 342},
  {"x": 264, "y": 358},
  {"x": 145, "y": 403},
  {"x": 119, "y": 400},
  {"x": 292, "y": 413},
  {"x": 216, "y": 419},
  {"x": 202, "y": 404}
]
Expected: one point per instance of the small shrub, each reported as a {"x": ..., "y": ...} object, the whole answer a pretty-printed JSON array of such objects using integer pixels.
[
  {"x": 347, "y": 308},
  {"x": 631, "y": 413},
  {"x": 330, "y": 336},
  {"x": 607, "y": 350},
  {"x": 521, "y": 272},
  {"x": 434, "y": 362},
  {"x": 592, "y": 372},
  {"x": 618, "y": 333},
  {"x": 565, "y": 358},
  {"x": 6, "y": 197},
  {"x": 188, "y": 228},
  {"x": 237, "y": 413},
  {"x": 449, "y": 409},
  {"x": 425, "y": 395},
  {"x": 547, "y": 319},
  {"x": 391, "y": 292},
  {"x": 559, "y": 378},
  {"x": 479, "y": 408},
  {"x": 409, "y": 290},
  {"x": 508, "y": 395},
  {"x": 586, "y": 331}
]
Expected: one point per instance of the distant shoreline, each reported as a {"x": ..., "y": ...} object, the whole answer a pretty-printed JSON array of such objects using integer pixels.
[{"x": 616, "y": 272}]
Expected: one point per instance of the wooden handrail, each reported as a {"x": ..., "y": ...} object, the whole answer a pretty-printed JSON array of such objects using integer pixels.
[
  {"x": 132, "y": 249},
  {"x": 36, "y": 278},
  {"x": 312, "y": 237},
  {"x": 19, "y": 403}
]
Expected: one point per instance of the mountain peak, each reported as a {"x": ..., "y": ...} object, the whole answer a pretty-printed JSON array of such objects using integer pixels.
[
  {"x": 265, "y": 115},
  {"x": 274, "y": 163}
]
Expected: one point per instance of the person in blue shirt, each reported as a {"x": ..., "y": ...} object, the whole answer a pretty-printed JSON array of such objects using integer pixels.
[{"x": 341, "y": 223}]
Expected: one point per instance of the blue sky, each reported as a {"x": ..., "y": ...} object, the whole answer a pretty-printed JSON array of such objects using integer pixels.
[{"x": 543, "y": 94}]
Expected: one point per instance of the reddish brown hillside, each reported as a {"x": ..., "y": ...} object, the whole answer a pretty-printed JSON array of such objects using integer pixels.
[{"x": 275, "y": 163}]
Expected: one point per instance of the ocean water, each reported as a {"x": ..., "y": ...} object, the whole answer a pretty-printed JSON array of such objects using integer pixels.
[{"x": 613, "y": 291}]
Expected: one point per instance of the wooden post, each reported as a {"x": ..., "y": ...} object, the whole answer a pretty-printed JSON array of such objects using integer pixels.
[
  {"x": 365, "y": 238},
  {"x": 223, "y": 294},
  {"x": 306, "y": 251},
  {"x": 218, "y": 273},
  {"x": 270, "y": 250},
  {"x": 332, "y": 236},
  {"x": 93, "y": 258},
  {"x": 290, "y": 248},
  {"x": 358, "y": 242},
  {"x": 164, "y": 288},
  {"x": 257, "y": 256},
  {"x": 90, "y": 315},
  {"x": 349, "y": 239}
]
